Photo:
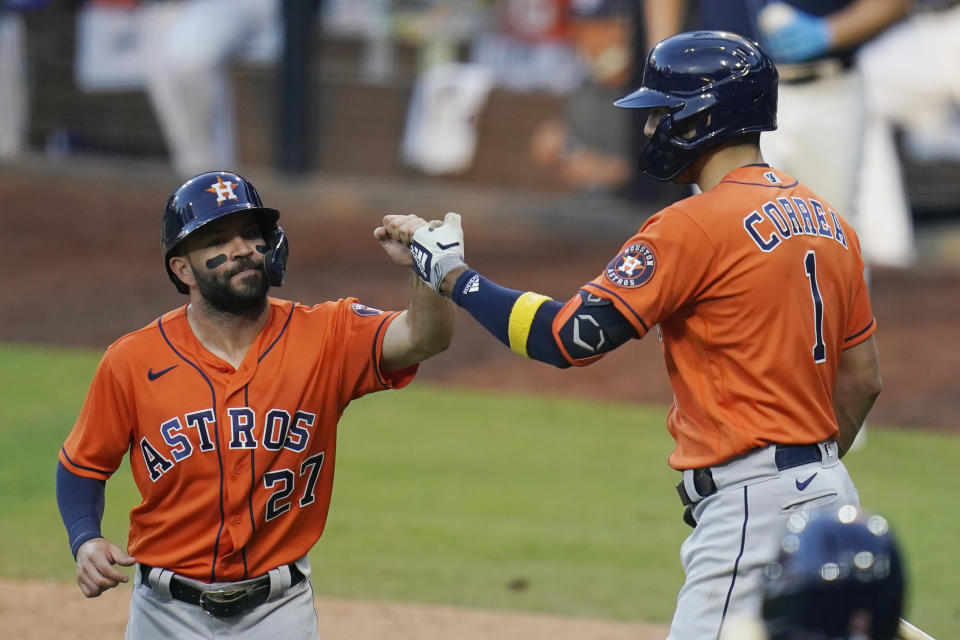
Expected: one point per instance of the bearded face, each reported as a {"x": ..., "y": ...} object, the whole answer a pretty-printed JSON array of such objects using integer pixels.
[{"x": 236, "y": 288}]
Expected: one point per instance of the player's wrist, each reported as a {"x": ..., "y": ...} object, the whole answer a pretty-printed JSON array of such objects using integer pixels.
[
  {"x": 449, "y": 283},
  {"x": 86, "y": 540}
]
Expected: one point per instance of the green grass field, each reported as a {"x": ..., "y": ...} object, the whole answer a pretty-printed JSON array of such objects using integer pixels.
[{"x": 573, "y": 501}]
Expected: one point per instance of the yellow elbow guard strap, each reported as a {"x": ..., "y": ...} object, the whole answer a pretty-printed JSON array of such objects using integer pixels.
[{"x": 521, "y": 319}]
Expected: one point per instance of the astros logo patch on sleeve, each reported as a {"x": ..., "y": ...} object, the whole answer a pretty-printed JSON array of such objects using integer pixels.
[
  {"x": 364, "y": 310},
  {"x": 633, "y": 267}
]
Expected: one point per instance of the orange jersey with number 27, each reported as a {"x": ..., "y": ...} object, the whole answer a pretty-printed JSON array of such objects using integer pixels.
[
  {"x": 235, "y": 467},
  {"x": 757, "y": 286}
]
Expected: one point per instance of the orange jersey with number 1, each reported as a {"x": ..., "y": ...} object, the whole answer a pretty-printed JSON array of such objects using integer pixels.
[
  {"x": 757, "y": 286},
  {"x": 235, "y": 467}
]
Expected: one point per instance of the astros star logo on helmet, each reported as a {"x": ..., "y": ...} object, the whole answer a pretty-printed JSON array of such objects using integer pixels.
[{"x": 224, "y": 190}]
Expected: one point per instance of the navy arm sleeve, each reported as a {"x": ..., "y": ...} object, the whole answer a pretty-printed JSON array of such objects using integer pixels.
[
  {"x": 491, "y": 305},
  {"x": 597, "y": 329},
  {"x": 81, "y": 501}
]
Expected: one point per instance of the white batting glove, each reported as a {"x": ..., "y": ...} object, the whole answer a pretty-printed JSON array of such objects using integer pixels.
[{"x": 437, "y": 249}]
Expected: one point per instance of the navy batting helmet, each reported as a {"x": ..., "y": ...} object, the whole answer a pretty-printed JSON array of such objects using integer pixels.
[
  {"x": 839, "y": 576},
  {"x": 213, "y": 195},
  {"x": 716, "y": 85}
]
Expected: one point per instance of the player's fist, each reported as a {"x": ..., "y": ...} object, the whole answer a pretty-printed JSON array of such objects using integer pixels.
[
  {"x": 95, "y": 566},
  {"x": 437, "y": 249},
  {"x": 396, "y": 234}
]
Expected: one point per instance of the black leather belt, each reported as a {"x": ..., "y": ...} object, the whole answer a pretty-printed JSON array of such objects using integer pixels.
[
  {"x": 786, "y": 457},
  {"x": 224, "y": 603}
]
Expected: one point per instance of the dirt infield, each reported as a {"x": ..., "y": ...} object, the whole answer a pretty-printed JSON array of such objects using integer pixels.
[{"x": 43, "y": 610}]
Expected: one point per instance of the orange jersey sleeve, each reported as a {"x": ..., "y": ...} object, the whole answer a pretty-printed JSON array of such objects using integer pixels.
[
  {"x": 658, "y": 270},
  {"x": 757, "y": 286},
  {"x": 105, "y": 423},
  {"x": 225, "y": 458}
]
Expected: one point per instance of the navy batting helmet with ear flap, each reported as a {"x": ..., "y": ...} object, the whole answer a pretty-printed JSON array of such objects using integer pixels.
[
  {"x": 839, "y": 576},
  {"x": 715, "y": 85},
  {"x": 210, "y": 196}
]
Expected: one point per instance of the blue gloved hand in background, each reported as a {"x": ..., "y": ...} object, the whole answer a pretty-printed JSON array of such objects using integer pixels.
[{"x": 803, "y": 37}]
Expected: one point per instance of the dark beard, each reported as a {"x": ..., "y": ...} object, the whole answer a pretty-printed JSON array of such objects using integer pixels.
[{"x": 249, "y": 294}]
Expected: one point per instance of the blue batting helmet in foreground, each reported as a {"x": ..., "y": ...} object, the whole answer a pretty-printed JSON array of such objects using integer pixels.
[{"x": 839, "y": 576}]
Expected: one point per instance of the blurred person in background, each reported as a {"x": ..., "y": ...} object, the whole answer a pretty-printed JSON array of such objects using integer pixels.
[
  {"x": 911, "y": 78},
  {"x": 528, "y": 47},
  {"x": 589, "y": 156},
  {"x": 822, "y": 107},
  {"x": 13, "y": 76},
  {"x": 440, "y": 133},
  {"x": 189, "y": 46}
]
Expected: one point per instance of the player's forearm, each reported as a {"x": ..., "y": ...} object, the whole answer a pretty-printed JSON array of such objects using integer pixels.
[
  {"x": 863, "y": 19},
  {"x": 81, "y": 502},
  {"x": 856, "y": 389},
  {"x": 851, "y": 411},
  {"x": 520, "y": 320},
  {"x": 431, "y": 319}
]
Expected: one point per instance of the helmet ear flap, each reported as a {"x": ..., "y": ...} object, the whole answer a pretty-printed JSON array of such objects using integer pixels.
[
  {"x": 664, "y": 157},
  {"x": 275, "y": 258}
]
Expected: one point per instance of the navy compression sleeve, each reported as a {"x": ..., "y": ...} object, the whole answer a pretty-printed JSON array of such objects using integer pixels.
[
  {"x": 506, "y": 313},
  {"x": 81, "y": 501}
]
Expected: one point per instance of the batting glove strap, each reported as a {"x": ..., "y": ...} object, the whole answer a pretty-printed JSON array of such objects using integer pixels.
[{"x": 438, "y": 250}]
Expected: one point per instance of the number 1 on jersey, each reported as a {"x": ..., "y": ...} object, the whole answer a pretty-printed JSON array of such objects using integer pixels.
[{"x": 810, "y": 266}]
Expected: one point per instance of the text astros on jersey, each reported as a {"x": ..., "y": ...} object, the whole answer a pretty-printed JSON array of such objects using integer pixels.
[
  {"x": 715, "y": 272},
  {"x": 233, "y": 452}
]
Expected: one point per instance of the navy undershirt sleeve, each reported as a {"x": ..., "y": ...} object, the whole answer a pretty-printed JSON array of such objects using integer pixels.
[
  {"x": 491, "y": 305},
  {"x": 81, "y": 501}
]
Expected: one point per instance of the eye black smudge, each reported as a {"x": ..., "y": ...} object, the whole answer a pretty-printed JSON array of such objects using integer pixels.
[{"x": 216, "y": 261}]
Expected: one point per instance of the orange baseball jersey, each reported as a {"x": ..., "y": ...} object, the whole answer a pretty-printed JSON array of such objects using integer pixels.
[
  {"x": 235, "y": 467},
  {"x": 757, "y": 286}
]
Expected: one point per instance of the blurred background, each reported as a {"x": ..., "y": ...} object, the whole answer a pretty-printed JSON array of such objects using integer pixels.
[{"x": 495, "y": 94}]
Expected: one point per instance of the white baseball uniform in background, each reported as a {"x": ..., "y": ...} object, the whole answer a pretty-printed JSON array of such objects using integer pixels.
[
  {"x": 13, "y": 85},
  {"x": 911, "y": 81},
  {"x": 188, "y": 45}
]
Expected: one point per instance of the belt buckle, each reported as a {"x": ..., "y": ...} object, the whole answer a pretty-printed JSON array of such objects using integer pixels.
[{"x": 213, "y": 601}]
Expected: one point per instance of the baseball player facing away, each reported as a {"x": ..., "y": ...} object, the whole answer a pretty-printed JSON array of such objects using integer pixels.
[
  {"x": 757, "y": 288},
  {"x": 228, "y": 407}
]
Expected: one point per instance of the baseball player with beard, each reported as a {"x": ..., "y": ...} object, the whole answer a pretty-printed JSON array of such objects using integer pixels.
[
  {"x": 228, "y": 407},
  {"x": 755, "y": 287}
]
